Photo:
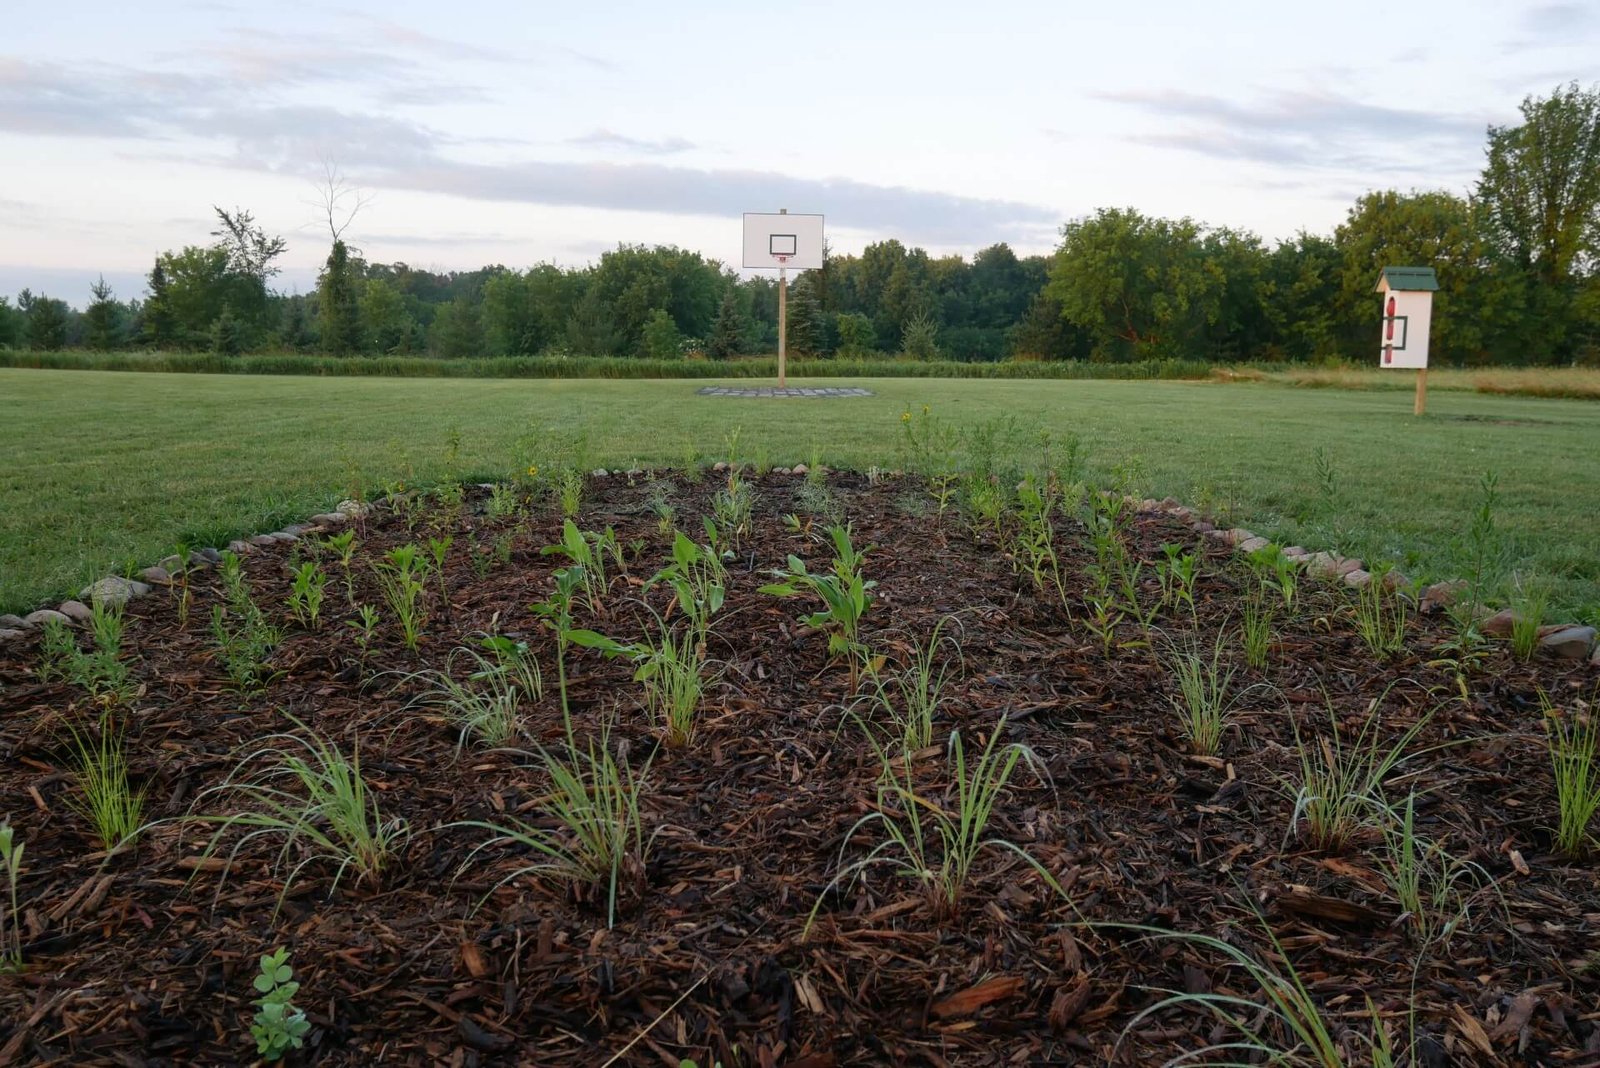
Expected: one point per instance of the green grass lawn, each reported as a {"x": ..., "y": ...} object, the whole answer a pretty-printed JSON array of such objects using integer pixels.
[{"x": 102, "y": 469}]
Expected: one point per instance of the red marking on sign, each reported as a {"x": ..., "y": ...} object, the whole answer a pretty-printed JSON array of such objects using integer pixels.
[
  {"x": 1388, "y": 354},
  {"x": 1389, "y": 335}
]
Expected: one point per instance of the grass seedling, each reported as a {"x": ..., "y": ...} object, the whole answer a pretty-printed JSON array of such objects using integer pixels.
[
  {"x": 734, "y": 508},
  {"x": 1203, "y": 703},
  {"x": 598, "y": 838},
  {"x": 278, "y": 1026},
  {"x": 1289, "y": 1029},
  {"x": 305, "y": 595},
  {"x": 659, "y": 499},
  {"x": 1574, "y": 744},
  {"x": 402, "y": 575},
  {"x": 105, "y": 797},
  {"x": 845, "y": 593},
  {"x": 1529, "y": 601},
  {"x": 180, "y": 582},
  {"x": 934, "y": 845},
  {"x": 1255, "y": 629},
  {"x": 1380, "y": 616},
  {"x": 487, "y": 706},
  {"x": 307, "y": 793},
  {"x": 911, "y": 699},
  {"x": 1424, "y": 879},
  {"x": 11, "y": 921},
  {"x": 1340, "y": 790},
  {"x": 673, "y": 672}
]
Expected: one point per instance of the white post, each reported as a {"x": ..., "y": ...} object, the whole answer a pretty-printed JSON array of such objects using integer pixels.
[{"x": 783, "y": 319}]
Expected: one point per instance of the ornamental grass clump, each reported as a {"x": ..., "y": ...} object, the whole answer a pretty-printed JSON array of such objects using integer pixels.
[
  {"x": 301, "y": 789},
  {"x": 1574, "y": 746},
  {"x": 934, "y": 844},
  {"x": 1340, "y": 788}
]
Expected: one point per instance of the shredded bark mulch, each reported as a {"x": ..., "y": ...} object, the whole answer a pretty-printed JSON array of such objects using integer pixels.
[{"x": 146, "y": 956}]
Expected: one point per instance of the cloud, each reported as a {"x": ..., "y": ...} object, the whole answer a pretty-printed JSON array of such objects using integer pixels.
[
  {"x": 610, "y": 139},
  {"x": 1308, "y": 130},
  {"x": 1557, "y": 22},
  {"x": 387, "y": 151}
]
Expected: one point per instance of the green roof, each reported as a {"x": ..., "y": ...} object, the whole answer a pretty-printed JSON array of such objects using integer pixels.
[{"x": 1409, "y": 278}]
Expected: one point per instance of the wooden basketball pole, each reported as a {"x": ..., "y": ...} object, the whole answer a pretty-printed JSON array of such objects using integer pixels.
[
  {"x": 783, "y": 319},
  {"x": 1421, "y": 405}
]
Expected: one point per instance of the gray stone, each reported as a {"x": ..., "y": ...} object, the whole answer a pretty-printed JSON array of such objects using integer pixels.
[
  {"x": 1499, "y": 625},
  {"x": 1183, "y": 512},
  {"x": 1295, "y": 552},
  {"x": 719, "y": 466},
  {"x": 113, "y": 590},
  {"x": 76, "y": 611},
  {"x": 263, "y": 540},
  {"x": 601, "y": 472},
  {"x": 171, "y": 564},
  {"x": 352, "y": 508},
  {"x": 1322, "y": 565},
  {"x": 239, "y": 548},
  {"x": 1356, "y": 578},
  {"x": 11, "y": 622},
  {"x": 1250, "y": 545},
  {"x": 1169, "y": 504},
  {"x": 798, "y": 469},
  {"x": 285, "y": 535},
  {"x": 1201, "y": 526},
  {"x": 1217, "y": 535},
  {"x": 199, "y": 561},
  {"x": 1395, "y": 580},
  {"x": 12, "y": 635},
  {"x": 293, "y": 528},
  {"x": 1441, "y": 594},
  {"x": 46, "y": 615},
  {"x": 156, "y": 576},
  {"x": 330, "y": 519},
  {"x": 1572, "y": 643},
  {"x": 1346, "y": 565},
  {"x": 780, "y": 470}
]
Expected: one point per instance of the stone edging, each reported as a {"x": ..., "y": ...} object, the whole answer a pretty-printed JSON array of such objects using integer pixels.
[{"x": 1569, "y": 641}]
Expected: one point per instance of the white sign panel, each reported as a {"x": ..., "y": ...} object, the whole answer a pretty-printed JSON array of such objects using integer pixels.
[
  {"x": 1403, "y": 344},
  {"x": 783, "y": 240}
]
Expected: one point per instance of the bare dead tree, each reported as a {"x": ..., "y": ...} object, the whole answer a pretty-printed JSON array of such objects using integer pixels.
[{"x": 338, "y": 201}]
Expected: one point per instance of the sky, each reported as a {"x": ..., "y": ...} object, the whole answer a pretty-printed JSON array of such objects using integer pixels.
[{"x": 528, "y": 132}]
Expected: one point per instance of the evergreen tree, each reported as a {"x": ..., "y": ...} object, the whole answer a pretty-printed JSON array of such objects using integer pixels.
[
  {"x": 661, "y": 338},
  {"x": 44, "y": 321},
  {"x": 227, "y": 334},
  {"x": 920, "y": 340},
  {"x": 806, "y": 334},
  {"x": 725, "y": 338},
  {"x": 102, "y": 318},
  {"x": 158, "y": 309},
  {"x": 339, "y": 315},
  {"x": 10, "y": 324}
]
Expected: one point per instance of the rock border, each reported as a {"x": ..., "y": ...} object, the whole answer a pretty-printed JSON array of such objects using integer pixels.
[{"x": 1567, "y": 641}]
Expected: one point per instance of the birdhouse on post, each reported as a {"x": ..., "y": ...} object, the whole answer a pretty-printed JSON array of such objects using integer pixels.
[{"x": 1407, "y": 313}]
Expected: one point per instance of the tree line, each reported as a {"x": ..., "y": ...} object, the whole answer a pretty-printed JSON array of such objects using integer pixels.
[{"x": 1518, "y": 261}]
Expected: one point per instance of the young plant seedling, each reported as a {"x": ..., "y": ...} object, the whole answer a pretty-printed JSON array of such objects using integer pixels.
[
  {"x": 11, "y": 921},
  {"x": 278, "y": 1026},
  {"x": 846, "y": 596}
]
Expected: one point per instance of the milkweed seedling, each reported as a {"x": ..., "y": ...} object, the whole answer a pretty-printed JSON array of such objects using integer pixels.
[
  {"x": 10, "y": 922},
  {"x": 278, "y": 1026},
  {"x": 846, "y": 595}
]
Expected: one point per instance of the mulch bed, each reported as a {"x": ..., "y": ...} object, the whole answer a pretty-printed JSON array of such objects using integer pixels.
[{"x": 146, "y": 957}]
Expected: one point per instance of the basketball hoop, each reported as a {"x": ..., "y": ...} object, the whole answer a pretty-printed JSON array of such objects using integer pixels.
[{"x": 781, "y": 260}]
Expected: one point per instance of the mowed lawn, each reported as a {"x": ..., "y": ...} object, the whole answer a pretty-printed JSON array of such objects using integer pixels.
[{"x": 102, "y": 470}]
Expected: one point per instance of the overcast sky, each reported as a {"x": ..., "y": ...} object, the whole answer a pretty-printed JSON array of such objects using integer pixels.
[{"x": 524, "y": 132}]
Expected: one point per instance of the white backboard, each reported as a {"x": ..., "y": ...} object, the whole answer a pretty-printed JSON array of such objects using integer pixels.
[{"x": 783, "y": 240}]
